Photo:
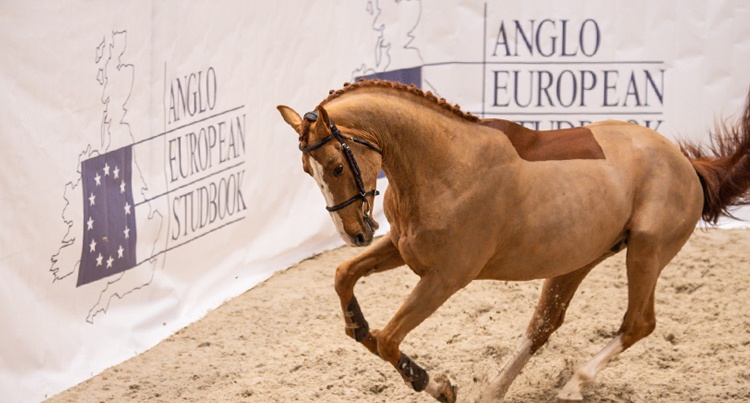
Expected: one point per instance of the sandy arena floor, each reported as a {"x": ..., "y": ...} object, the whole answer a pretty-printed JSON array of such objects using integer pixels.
[{"x": 284, "y": 340}]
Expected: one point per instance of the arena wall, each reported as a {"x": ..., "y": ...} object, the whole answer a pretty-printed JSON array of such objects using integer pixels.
[{"x": 147, "y": 176}]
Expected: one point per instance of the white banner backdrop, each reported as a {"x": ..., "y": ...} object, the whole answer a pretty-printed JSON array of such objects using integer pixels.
[{"x": 147, "y": 176}]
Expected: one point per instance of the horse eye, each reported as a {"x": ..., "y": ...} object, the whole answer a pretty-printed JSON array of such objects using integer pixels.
[{"x": 338, "y": 170}]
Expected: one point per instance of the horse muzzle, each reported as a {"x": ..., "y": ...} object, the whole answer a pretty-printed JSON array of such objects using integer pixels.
[{"x": 365, "y": 237}]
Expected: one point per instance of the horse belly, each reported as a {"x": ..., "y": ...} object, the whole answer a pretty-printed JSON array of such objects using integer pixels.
[
  {"x": 544, "y": 256},
  {"x": 546, "y": 259},
  {"x": 571, "y": 213}
]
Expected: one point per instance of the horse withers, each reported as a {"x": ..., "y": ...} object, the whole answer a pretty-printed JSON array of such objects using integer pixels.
[{"x": 472, "y": 198}]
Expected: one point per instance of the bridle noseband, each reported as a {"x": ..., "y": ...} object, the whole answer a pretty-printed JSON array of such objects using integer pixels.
[{"x": 336, "y": 134}]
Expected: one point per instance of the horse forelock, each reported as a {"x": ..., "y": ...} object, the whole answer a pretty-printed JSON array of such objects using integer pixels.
[
  {"x": 402, "y": 88},
  {"x": 304, "y": 133}
]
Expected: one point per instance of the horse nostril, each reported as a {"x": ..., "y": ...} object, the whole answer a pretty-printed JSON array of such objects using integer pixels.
[{"x": 359, "y": 239}]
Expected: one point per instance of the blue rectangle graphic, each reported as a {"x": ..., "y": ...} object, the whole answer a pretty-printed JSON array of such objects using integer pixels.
[{"x": 109, "y": 230}]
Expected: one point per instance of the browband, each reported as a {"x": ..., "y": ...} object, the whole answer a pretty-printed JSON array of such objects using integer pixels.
[{"x": 335, "y": 133}]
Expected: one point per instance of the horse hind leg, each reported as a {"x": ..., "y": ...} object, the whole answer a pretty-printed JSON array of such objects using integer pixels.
[
  {"x": 549, "y": 315},
  {"x": 646, "y": 257},
  {"x": 639, "y": 322}
]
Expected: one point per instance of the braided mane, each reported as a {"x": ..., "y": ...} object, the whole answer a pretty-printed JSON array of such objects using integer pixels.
[{"x": 412, "y": 89}]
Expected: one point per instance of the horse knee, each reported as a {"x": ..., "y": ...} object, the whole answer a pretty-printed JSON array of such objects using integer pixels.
[{"x": 344, "y": 280}]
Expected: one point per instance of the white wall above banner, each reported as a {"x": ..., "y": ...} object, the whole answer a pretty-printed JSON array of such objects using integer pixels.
[{"x": 147, "y": 176}]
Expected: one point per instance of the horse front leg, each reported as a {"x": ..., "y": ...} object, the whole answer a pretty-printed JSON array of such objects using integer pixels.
[
  {"x": 381, "y": 256},
  {"x": 428, "y": 295}
]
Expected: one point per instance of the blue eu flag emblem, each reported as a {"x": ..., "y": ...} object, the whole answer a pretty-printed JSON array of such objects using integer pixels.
[{"x": 109, "y": 232}]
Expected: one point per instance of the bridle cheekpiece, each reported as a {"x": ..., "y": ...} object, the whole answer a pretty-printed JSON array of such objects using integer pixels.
[{"x": 336, "y": 134}]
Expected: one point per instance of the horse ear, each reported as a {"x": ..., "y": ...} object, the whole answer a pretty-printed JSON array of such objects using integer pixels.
[
  {"x": 291, "y": 117},
  {"x": 323, "y": 122}
]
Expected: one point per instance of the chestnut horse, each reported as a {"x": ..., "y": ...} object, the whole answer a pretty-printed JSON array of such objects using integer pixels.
[{"x": 471, "y": 199}]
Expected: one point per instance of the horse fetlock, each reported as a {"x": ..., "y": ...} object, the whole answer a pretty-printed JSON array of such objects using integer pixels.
[
  {"x": 412, "y": 373},
  {"x": 356, "y": 325}
]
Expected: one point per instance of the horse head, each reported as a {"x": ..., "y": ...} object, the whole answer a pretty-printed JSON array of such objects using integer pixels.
[{"x": 344, "y": 166}]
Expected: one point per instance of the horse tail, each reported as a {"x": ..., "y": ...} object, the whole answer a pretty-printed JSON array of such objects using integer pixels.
[{"x": 724, "y": 167}]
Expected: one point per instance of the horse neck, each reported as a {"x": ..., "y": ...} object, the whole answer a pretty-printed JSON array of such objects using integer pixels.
[{"x": 420, "y": 140}]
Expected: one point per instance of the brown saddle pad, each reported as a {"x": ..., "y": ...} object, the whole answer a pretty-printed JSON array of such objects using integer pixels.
[{"x": 577, "y": 143}]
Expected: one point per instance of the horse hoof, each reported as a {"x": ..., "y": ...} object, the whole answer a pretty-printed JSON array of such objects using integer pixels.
[
  {"x": 569, "y": 396},
  {"x": 447, "y": 390},
  {"x": 569, "y": 399}
]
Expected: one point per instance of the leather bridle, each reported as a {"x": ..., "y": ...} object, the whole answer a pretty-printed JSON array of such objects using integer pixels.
[{"x": 336, "y": 134}]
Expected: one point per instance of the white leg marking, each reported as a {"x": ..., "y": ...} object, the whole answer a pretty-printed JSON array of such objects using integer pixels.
[
  {"x": 318, "y": 176},
  {"x": 433, "y": 388},
  {"x": 500, "y": 384},
  {"x": 588, "y": 371},
  {"x": 440, "y": 388}
]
